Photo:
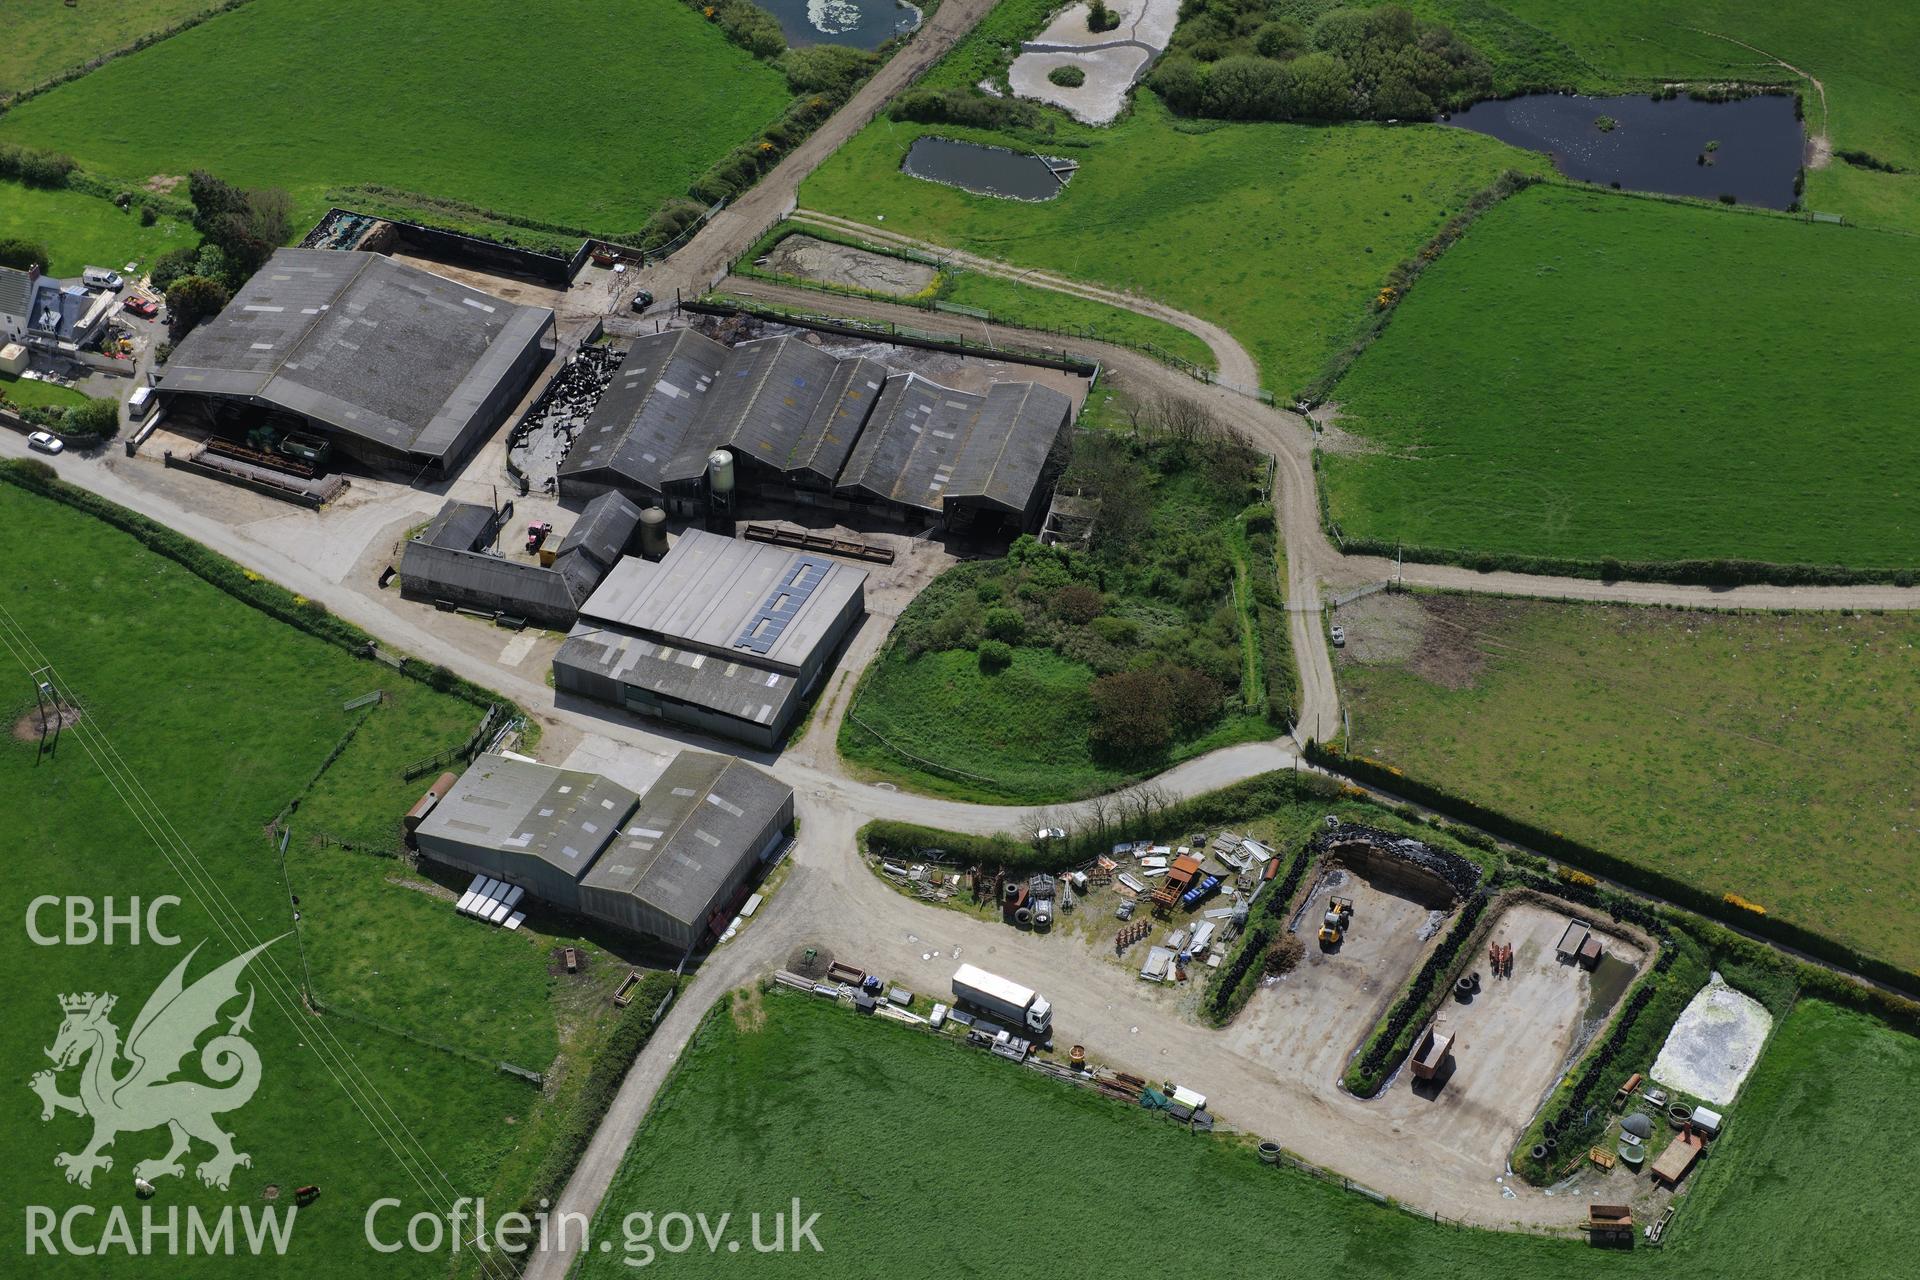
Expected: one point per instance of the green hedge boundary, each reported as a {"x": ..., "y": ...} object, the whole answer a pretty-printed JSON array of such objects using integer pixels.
[
  {"x": 1597, "y": 862},
  {"x": 1239, "y": 975},
  {"x": 1704, "y": 573},
  {"x": 268, "y": 597},
  {"x": 906, "y": 840},
  {"x": 610, "y": 1066}
]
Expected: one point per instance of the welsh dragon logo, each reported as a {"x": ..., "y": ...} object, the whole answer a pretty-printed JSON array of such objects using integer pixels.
[{"x": 146, "y": 1094}]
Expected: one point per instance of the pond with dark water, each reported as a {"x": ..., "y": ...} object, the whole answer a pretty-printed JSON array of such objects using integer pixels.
[
  {"x": 1750, "y": 149},
  {"x": 986, "y": 171},
  {"x": 862, "y": 24}
]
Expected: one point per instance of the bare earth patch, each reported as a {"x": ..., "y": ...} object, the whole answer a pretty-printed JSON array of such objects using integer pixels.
[
  {"x": 809, "y": 258},
  {"x": 747, "y": 1009},
  {"x": 38, "y": 723},
  {"x": 164, "y": 184}
]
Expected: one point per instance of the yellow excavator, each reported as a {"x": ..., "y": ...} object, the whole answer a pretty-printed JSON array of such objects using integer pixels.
[{"x": 1333, "y": 927}]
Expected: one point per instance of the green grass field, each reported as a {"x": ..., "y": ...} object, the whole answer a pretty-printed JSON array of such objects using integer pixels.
[
  {"x": 1588, "y": 375},
  {"x": 1281, "y": 233},
  {"x": 1768, "y": 756},
  {"x": 1861, "y": 52},
  {"x": 25, "y": 393},
  {"x": 563, "y": 117},
  {"x": 80, "y": 231},
  {"x": 46, "y": 37},
  {"x": 1832, "y": 1095},
  {"x": 225, "y": 716},
  {"x": 896, "y": 1138}
]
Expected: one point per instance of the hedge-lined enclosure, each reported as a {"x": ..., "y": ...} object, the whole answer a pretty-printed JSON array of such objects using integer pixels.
[
  {"x": 1238, "y": 977},
  {"x": 1730, "y": 739},
  {"x": 1630, "y": 874},
  {"x": 1532, "y": 379}
]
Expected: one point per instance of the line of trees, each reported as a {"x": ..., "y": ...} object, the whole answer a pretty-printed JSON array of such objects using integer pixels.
[{"x": 239, "y": 230}]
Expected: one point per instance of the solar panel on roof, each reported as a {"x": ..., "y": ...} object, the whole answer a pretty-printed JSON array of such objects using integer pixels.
[{"x": 783, "y": 603}]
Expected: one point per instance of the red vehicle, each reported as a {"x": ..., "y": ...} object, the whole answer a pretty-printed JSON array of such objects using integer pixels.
[
  {"x": 536, "y": 534},
  {"x": 146, "y": 308}
]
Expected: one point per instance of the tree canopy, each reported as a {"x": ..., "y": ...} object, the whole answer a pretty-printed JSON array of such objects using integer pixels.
[{"x": 1252, "y": 60}]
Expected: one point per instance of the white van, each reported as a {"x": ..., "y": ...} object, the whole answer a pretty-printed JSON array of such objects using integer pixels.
[
  {"x": 101, "y": 278},
  {"x": 138, "y": 403}
]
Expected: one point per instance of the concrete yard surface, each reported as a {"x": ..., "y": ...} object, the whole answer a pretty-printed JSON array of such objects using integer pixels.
[
  {"x": 1308, "y": 1022},
  {"x": 1511, "y": 1040}
]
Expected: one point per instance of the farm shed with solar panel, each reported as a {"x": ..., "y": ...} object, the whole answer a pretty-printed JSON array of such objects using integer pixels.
[
  {"x": 403, "y": 371},
  {"x": 661, "y": 864},
  {"x": 721, "y": 636}
]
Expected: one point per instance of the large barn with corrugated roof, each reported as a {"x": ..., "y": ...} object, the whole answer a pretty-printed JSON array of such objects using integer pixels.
[
  {"x": 667, "y": 863},
  {"x": 802, "y": 425},
  {"x": 399, "y": 369}
]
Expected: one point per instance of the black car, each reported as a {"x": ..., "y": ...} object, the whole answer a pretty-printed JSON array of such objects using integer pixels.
[{"x": 641, "y": 301}]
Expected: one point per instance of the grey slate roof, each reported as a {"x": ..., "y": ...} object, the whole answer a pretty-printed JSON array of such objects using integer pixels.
[
  {"x": 459, "y": 526},
  {"x": 926, "y": 444},
  {"x": 777, "y": 400},
  {"x": 374, "y": 348},
  {"x": 729, "y": 598},
  {"x": 604, "y": 529},
  {"x": 837, "y": 420},
  {"x": 794, "y": 408},
  {"x": 650, "y": 410},
  {"x": 689, "y": 833},
  {"x": 595, "y": 544},
  {"x": 561, "y": 816}
]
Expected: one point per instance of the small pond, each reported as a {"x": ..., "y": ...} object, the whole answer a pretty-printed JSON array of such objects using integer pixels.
[
  {"x": 987, "y": 171},
  {"x": 1607, "y": 983},
  {"x": 863, "y": 24},
  {"x": 1750, "y": 149}
]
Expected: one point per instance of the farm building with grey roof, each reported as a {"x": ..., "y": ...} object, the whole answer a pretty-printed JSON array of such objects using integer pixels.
[
  {"x": 723, "y": 636},
  {"x": 402, "y": 370},
  {"x": 661, "y": 863},
  {"x": 453, "y": 561},
  {"x": 804, "y": 425}
]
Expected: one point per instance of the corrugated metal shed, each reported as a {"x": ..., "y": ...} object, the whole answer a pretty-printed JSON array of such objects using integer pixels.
[
  {"x": 451, "y": 560},
  {"x": 461, "y": 526},
  {"x": 648, "y": 412},
  {"x": 604, "y": 529},
  {"x": 730, "y": 599},
  {"x": 748, "y": 693},
  {"x": 394, "y": 355},
  {"x": 693, "y": 835},
  {"x": 561, "y": 817},
  {"x": 796, "y": 410},
  {"x": 927, "y": 445},
  {"x": 14, "y": 293}
]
